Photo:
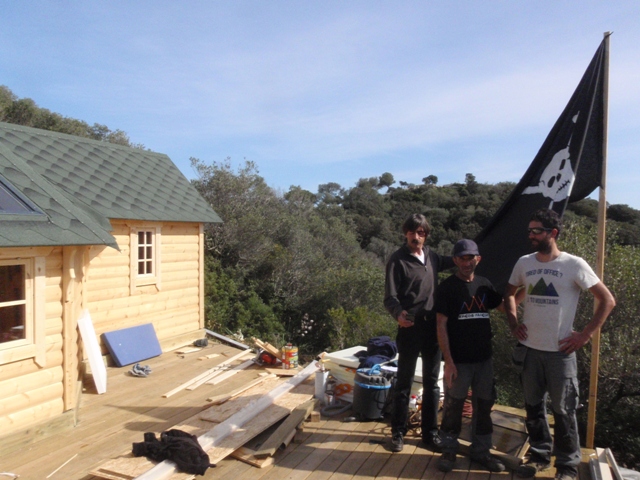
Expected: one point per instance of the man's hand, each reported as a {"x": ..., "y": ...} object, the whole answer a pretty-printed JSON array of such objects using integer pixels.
[
  {"x": 405, "y": 320},
  {"x": 520, "y": 331},
  {"x": 450, "y": 373},
  {"x": 573, "y": 342}
]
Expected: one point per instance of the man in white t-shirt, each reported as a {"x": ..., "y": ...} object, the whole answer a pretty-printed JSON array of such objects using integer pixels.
[{"x": 547, "y": 342}]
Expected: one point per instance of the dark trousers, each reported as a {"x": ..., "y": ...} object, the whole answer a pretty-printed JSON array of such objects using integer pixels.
[
  {"x": 421, "y": 339},
  {"x": 552, "y": 375}
]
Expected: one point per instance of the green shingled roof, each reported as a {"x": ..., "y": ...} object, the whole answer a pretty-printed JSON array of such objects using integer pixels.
[{"x": 80, "y": 183}]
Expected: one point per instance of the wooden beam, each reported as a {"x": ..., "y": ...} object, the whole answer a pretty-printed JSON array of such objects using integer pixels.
[{"x": 293, "y": 421}]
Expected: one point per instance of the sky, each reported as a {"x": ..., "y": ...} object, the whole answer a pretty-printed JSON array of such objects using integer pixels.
[{"x": 326, "y": 91}]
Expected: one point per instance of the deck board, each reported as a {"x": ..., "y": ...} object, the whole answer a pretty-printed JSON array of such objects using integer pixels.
[{"x": 331, "y": 449}]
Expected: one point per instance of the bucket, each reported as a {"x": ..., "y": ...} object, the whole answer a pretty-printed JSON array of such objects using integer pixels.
[
  {"x": 289, "y": 356},
  {"x": 370, "y": 392}
]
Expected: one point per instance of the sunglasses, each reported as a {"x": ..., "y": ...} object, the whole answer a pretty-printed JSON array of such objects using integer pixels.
[
  {"x": 538, "y": 230},
  {"x": 420, "y": 233}
]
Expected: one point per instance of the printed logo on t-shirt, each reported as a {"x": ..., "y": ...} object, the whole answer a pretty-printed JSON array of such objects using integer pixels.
[
  {"x": 542, "y": 289},
  {"x": 474, "y": 309}
]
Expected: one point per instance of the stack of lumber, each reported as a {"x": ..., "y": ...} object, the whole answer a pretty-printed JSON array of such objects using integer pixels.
[{"x": 276, "y": 423}]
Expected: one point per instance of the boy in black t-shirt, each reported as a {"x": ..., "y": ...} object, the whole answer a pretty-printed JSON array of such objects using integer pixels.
[{"x": 462, "y": 305}]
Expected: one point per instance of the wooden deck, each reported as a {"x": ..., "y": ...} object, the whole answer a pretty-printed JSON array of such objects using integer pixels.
[{"x": 108, "y": 424}]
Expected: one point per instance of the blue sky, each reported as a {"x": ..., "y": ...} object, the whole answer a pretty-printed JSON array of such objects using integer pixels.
[{"x": 331, "y": 91}]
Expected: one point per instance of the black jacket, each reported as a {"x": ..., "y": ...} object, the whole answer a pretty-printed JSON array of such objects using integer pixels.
[{"x": 410, "y": 285}]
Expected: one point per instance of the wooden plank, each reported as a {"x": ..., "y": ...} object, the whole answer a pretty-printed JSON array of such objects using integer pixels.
[
  {"x": 220, "y": 413},
  {"x": 284, "y": 372},
  {"x": 204, "y": 374},
  {"x": 235, "y": 370},
  {"x": 127, "y": 467},
  {"x": 207, "y": 357},
  {"x": 267, "y": 347},
  {"x": 508, "y": 420},
  {"x": 297, "y": 416},
  {"x": 184, "y": 351},
  {"x": 247, "y": 455},
  {"x": 220, "y": 375},
  {"x": 220, "y": 399},
  {"x": 603, "y": 465}
]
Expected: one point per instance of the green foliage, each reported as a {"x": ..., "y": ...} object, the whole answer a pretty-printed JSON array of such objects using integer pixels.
[
  {"x": 24, "y": 111},
  {"x": 298, "y": 258},
  {"x": 230, "y": 308},
  {"x": 357, "y": 326}
]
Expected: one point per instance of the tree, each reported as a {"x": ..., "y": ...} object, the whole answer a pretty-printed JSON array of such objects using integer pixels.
[
  {"x": 24, "y": 111},
  {"x": 386, "y": 180},
  {"x": 430, "y": 180}
]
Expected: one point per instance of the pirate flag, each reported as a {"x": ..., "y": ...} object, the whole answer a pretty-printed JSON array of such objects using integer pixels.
[{"x": 567, "y": 168}]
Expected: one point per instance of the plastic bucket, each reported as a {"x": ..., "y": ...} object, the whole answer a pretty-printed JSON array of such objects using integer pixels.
[{"x": 370, "y": 392}]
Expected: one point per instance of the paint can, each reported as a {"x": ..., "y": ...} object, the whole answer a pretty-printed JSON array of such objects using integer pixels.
[{"x": 289, "y": 356}]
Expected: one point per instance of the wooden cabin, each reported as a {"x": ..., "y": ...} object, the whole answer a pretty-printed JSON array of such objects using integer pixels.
[{"x": 88, "y": 225}]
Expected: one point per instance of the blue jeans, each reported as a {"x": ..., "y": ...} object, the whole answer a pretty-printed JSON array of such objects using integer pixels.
[
  {"x": 421, "y": 339},
  {"x": 478, "y": 376},
  {"x": 552, "y": 375}
]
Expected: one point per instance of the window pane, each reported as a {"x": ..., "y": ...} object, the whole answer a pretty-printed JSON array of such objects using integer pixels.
[
  {"x": 11, "y": 283},
  {"x": 12, "y": 323},
  {"x": 140, "y": 238},
  {"x": 149, "y": 253},
  {"x": 140, "y": 253},
  {"x": 149, "y": 267},
  {"x": 140, "y": 268},
  {"x": 149, "y": 238}
]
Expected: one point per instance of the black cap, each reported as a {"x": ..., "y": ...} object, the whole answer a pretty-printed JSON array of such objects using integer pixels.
[{"x": 465, "y": 247}]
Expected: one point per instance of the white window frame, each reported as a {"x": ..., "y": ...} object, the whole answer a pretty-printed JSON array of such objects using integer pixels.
[
  {"x": 33, "y": 345},
  {"x": 154, "y": 278}
]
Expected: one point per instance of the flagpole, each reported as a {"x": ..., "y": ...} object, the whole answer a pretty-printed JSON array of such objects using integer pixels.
[{"x": 602, "y": 216}]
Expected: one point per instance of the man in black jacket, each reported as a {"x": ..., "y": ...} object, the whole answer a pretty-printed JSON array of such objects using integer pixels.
[{"x": 411, "y": 280}]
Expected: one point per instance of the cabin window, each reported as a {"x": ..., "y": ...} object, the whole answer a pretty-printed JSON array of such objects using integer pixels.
[
  {"x": 145, "y": 253},
  {"x": 145, "y": 257},
  {"x": 13, "y": 302},
  {"x": 22, "y": 306}
]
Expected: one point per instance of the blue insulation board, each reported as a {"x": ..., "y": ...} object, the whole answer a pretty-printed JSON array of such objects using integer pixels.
[{"x": 132, "y": 345}]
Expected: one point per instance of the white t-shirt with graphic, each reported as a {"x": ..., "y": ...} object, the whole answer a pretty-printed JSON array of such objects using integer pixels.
[{"x": 552, "y": 292}]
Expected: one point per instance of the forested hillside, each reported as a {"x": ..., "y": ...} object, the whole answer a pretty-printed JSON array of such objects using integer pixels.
[
  {"x": 24, "y": 111},
  {"x": 308, "y": 267}
]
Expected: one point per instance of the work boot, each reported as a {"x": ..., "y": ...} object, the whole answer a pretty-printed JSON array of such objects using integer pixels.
[
  {"x": 432, "y": 441},
  {"x": 490, "y": 462},
  {"x": 446, "y": 462},
  {"x": 532, "y": 465},
  {"x": 397, "y": 442},
  {"x": 565, "y": 474}
]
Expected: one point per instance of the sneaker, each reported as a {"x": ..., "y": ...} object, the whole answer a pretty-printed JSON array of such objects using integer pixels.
[
  {"x": 562, "y": 474},
  {"x": 446, "y": 462},
  {"x": 397, "y": 442},
  {"x": 432, "y": 441},
  {"x": 532, "y": 466},
  {"x": 490, "y": 462}
]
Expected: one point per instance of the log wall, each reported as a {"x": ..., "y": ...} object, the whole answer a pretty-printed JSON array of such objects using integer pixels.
[{"x": 173, "y": 306}]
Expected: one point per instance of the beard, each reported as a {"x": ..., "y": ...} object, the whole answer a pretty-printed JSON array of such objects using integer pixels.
[{"x": 542, "y": 246}]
